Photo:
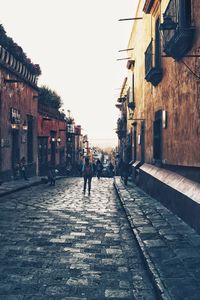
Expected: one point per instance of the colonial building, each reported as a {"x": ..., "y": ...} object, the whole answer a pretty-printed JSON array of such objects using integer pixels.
[
  {"x": 164, "y": 85},
  {"x": 122, "y": 126},
  {"x": 51, "y": 139},
  {"x": 18, "y": 109},
  {"x": 163, "y": 92},
  {"x": 78, "y": 144}
]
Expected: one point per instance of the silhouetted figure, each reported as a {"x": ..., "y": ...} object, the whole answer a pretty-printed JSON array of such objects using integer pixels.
[
  {"x": 22, "y": 167},
  {"x": 110, "y": 169},
  {"x": 99, "y": 168},
  {"x": 87, "y": 175},
  {"x": 125, "y": 171},
  {"x": 51, "y": 175}
]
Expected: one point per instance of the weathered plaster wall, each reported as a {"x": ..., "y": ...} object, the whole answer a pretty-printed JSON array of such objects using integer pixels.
[
  {"x": 20, "y": 97},
  {"x": 178, "y": 93}
]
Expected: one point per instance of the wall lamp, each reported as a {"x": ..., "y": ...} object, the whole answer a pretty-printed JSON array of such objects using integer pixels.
[
  {"x": 25, "y": 126},
  {"x": 131, "y": 107},
  {"x": 58, "y": 139},
  {"x": 14, "y": 126},
  {"x": 53, "y": 139}
]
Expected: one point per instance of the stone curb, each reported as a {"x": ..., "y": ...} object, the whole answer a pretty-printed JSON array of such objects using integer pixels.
[{"x": 160, "y": 289}]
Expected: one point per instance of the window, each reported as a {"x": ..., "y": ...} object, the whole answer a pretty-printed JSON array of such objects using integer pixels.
[
  {"x": 157, "y": 45},
  {"x": 157, "y": 136}
]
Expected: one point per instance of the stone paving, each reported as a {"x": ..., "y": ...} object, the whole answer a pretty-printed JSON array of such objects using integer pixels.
[
  {"x": 9, "y": 187},
  {"x": 57, "y": 243},
  {"x": 170, "y": 247}
]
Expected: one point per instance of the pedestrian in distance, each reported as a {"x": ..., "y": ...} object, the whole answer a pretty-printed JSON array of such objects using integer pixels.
[
  {"x": 87, "y": 171},
  {"x": 99, "y": 168},
  {"x": 111, "y": 169},
  {"x": 94, "y": 168},
  {"x": 51, "y": 175},
  {"x": 22, "y": 167},
  {"x": 125, "y": 171}
]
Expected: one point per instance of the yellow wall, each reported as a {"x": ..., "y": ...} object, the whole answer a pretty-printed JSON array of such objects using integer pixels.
[{"x": 178, "y": 93}]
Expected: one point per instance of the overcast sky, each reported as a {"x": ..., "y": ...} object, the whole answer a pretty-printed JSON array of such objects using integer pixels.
[{"x": 76, "y": 44}]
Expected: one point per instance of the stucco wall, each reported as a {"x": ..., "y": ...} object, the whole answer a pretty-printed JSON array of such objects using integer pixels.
[
  {"x": 20, "y": 97},
  {"x": 178, "y": 93}
]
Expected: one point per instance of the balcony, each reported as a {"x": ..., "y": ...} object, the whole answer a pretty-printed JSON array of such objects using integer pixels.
[
  {"x": 179, "y": 42},
  {"x": 131, "y": 105},
  {"x": 153, "y": 74},
  {"x": 178, "y": 32}
]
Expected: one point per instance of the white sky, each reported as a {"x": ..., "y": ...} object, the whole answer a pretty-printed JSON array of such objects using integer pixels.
[{"x": 76, "y": 44}]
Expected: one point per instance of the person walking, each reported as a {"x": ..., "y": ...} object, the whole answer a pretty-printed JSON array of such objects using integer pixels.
[
  {"x": 99, "y": 168},
  {"x": 23, "y": 168},
  {"x": 87, "y": 175},
  {"x": 51, "y": 175},
  {"x": 125, "y": 171}
]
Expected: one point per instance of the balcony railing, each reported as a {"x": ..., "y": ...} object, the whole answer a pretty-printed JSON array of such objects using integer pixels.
[
  {"x": 153, "y": 71},
  {"x": 9, "y": 62},
  {"x": 179, "y": 40}
]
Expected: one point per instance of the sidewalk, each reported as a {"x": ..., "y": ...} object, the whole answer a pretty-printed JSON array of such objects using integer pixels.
[
  {"x": 12, "y": 186},
  {"x": 170, "y": 247}
]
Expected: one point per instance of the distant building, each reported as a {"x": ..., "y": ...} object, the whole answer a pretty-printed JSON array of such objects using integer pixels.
[{"x": 51, "y": 139}]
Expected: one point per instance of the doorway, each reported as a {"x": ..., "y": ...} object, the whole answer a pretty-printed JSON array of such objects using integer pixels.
[
  {"x": 43, "y": 155},
  {"x": 53, "y": 148},
  {"x": 135, "y": 141},
  {"x": 142, "y": 149},
  {"x": 15, "y": 148},
  {"x": 157, "y": 137}
]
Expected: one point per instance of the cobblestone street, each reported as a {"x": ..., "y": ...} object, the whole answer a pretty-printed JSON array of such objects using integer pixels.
[{"x": 57, "y": 243}]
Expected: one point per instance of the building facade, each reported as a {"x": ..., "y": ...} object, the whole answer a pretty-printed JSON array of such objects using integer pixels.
[
  {"x": 51, "y": 139},
  {"x": 164, "y": 86},
  {"x": 18, "y": 113}
]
